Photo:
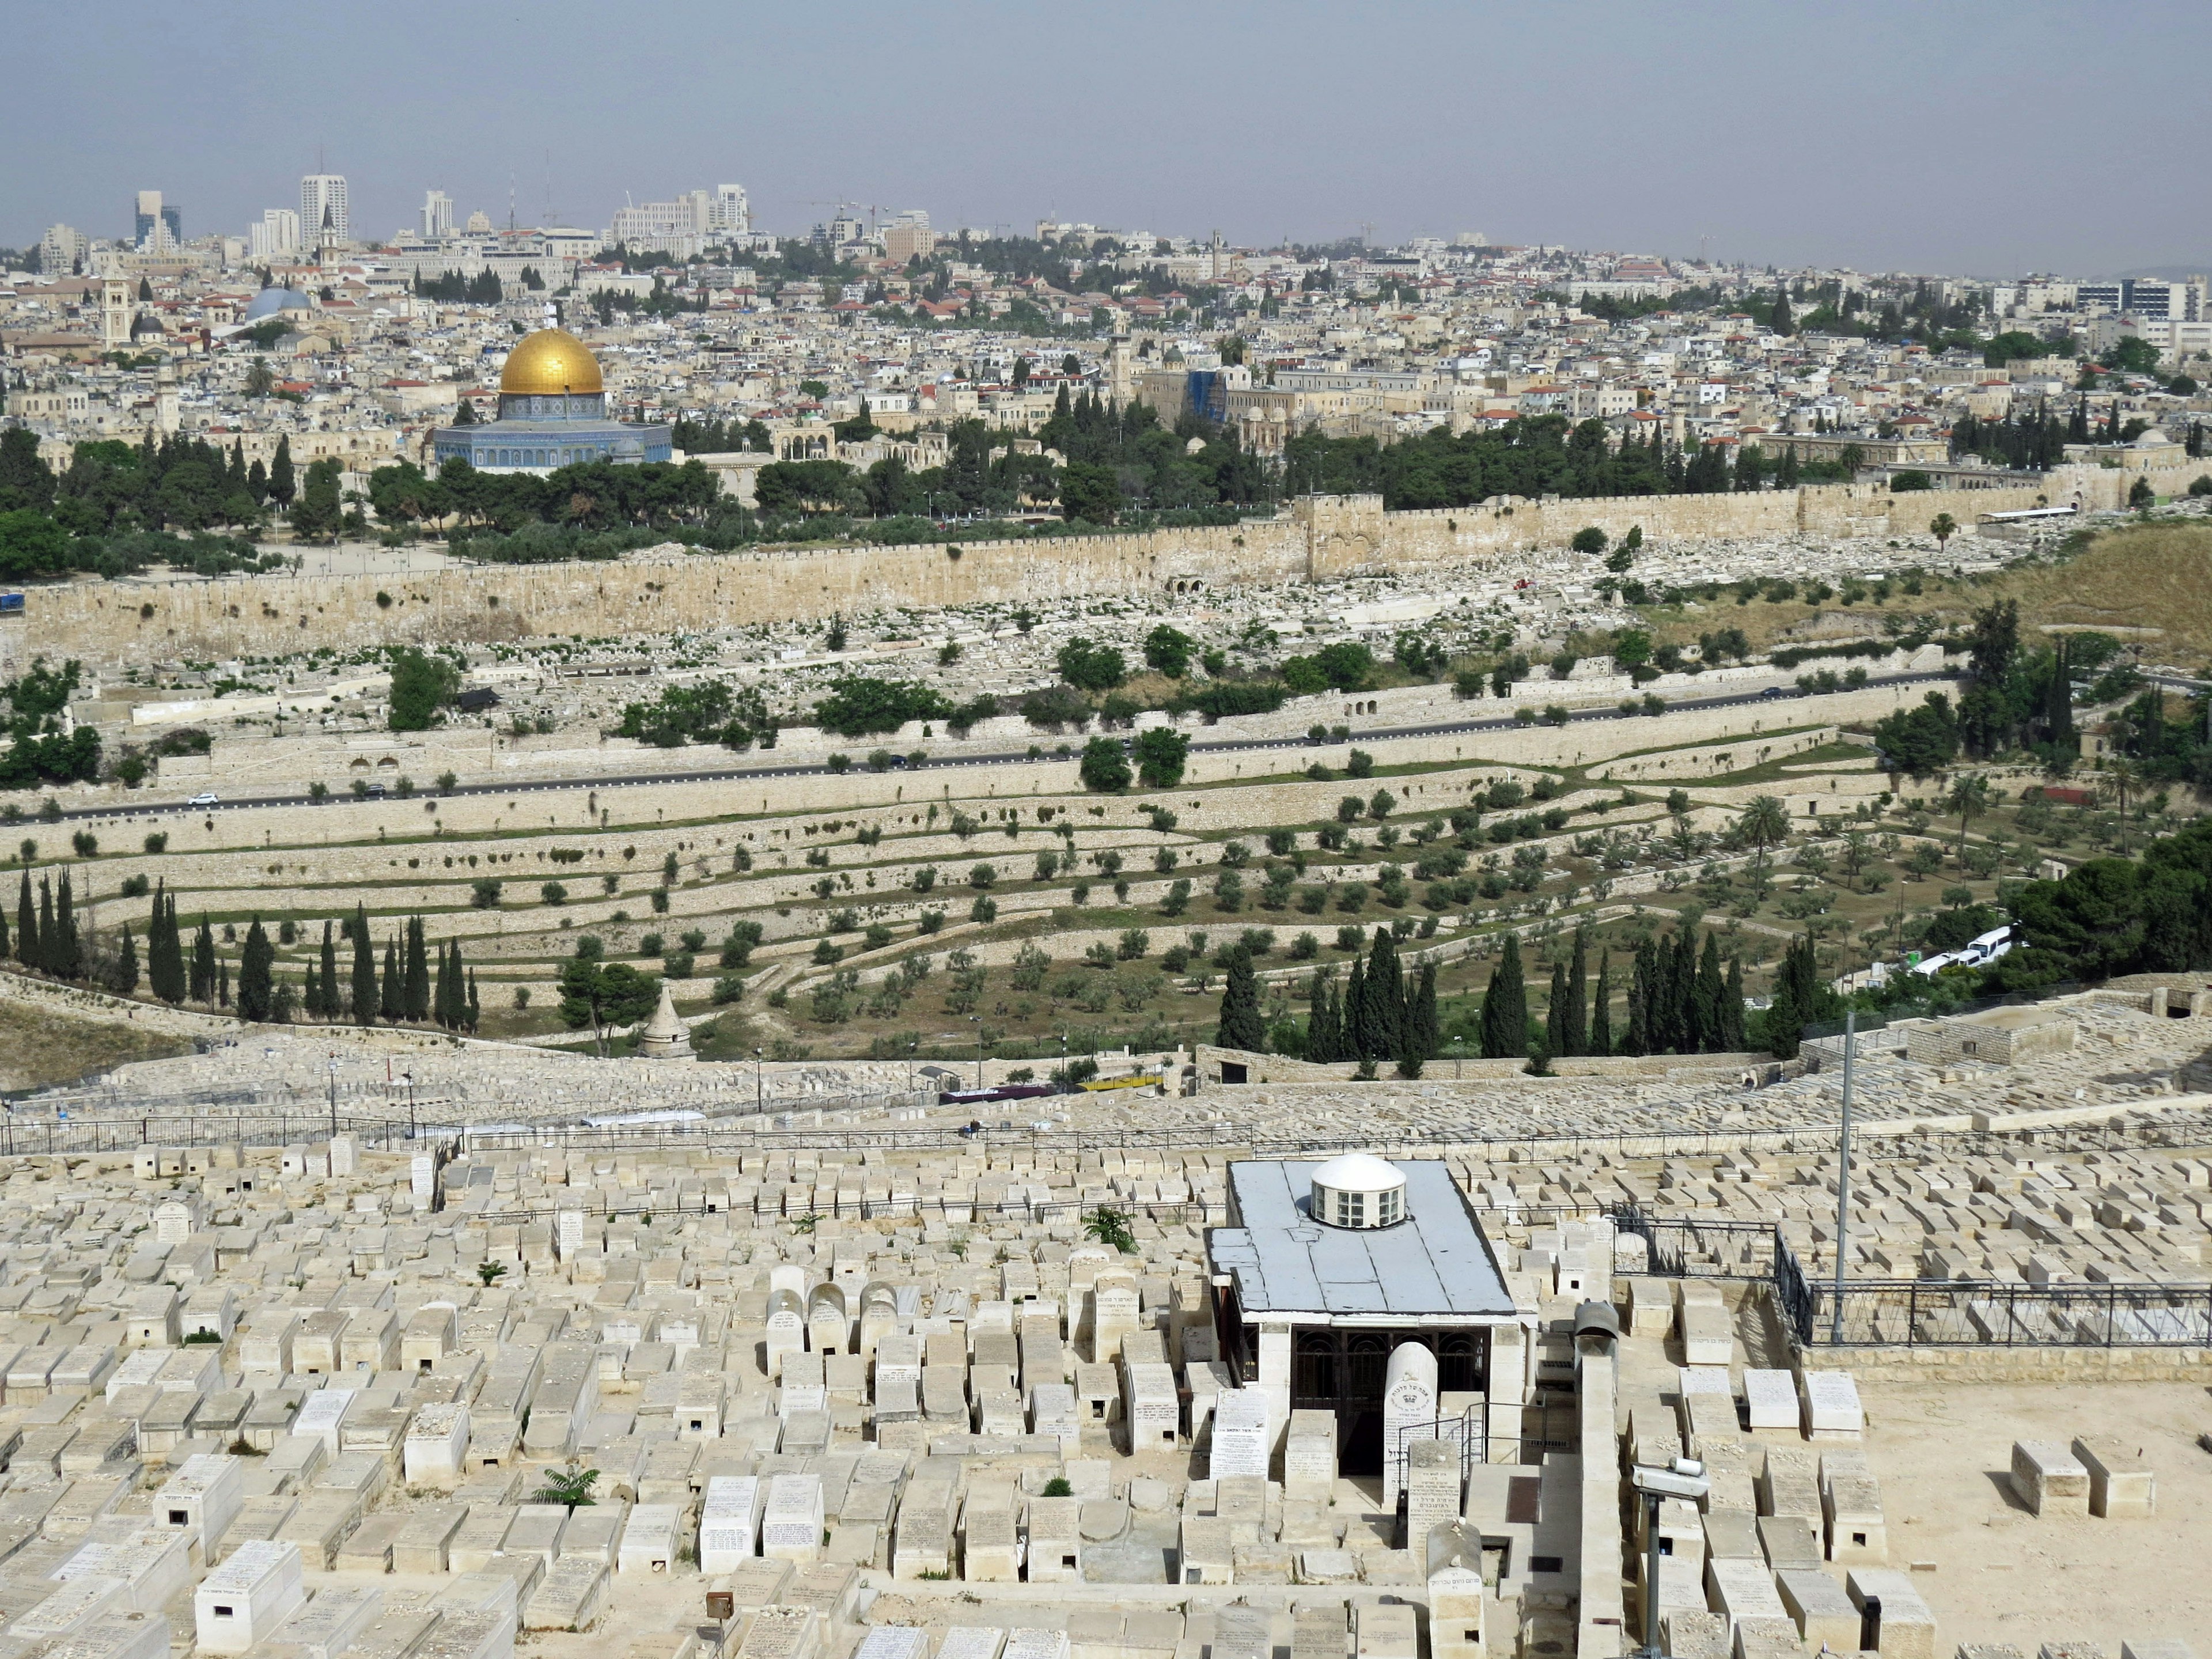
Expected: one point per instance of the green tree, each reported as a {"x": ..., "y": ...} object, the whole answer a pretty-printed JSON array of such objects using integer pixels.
[
  {"x": 1162, "y": 753},
  {"x": 333, "y": 1005},
  {"x": 204, "y": 972},
  {"x": 422, "y": 684},
  {"x": 414, "y": 1000},
  {"x": 600, "y": 994},
  {"x": 363, "y": 999},
  {"x": 284, "y": 483},
  {"x": 1942, "y": 528},
  {"x": 1570, "y": 1034},
  {"x": 1764, "y": 823},
  {"x": 1601, "y": 1027},
  {"x": 1089, "y": 492},
  {"x": 1590, "y": 539},
  {"x": 1103, "y": 769},
  {"x": 317, "y": 511},
  {"x": 1968, "y": 799},
  {"x": 27, "y": 949},
  {"x": 1506, "y": 1007},
  {"x": 1241, "y": 1025},
  {"x": 1089, "y": 667},
  {"x": 1167, "y": 651},
  {"x": 256, "y": 991}
]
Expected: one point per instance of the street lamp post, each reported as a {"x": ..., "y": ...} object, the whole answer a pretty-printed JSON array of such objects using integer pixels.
[
  {"x": 758, "y": 1098},
  {"x": 1683, "y": 1478},
  {"x": 408, "y": 1077},
  {"x": 334, "y": 1096},
  {"x": 976, "y": 1020}
]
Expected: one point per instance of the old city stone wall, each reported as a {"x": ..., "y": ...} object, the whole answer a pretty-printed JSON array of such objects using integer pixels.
[{"x": 106, "y": 624}]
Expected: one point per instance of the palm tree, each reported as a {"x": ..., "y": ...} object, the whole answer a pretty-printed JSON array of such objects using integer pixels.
[
  {"x": 1764, "y": 822},
  {"x": 1942, "y": 528},
  {"x": 1969, "y": 798}
]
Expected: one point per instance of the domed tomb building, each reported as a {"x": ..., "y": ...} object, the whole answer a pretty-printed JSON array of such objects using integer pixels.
[
  {"x": 552, "y": 413},
  {"x": 1365, "y": 1293}
]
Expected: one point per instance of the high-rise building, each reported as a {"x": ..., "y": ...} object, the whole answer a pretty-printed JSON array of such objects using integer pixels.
[
  {"x": 437, "y": 215},
  {"x": 62, "y": 249},
  {"x": 909, "y": 236},
  {"x": 157, "y": 227},
  {"x": 681, "y": 228},
  {"x": 323, "y": 219},
  {"x": 732, "y": 213},
  {"x": 275, "y": 235}
]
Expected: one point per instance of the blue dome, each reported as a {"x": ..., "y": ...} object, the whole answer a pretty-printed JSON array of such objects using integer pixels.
[{"x": 270, "y": 300}]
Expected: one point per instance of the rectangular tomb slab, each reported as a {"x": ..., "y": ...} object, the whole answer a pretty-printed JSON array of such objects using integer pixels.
[
  {"x": 1832, "y": 1406},
  {"x": 1823, "y": 1613},
  {"x": 1908, "y": 1627},
  {"x": 2049, "y": 1479},
  {"x": 2122, "y": 1486},
  {"x": 1771, "y": 1397}
]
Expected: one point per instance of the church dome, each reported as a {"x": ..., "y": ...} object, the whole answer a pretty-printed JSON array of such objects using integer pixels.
[
  {"x": 270, "y": 300},
  {"x": 551, "y": 360}
]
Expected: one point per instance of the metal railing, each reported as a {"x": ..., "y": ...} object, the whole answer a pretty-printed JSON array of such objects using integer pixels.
[{"x": 1939, "y": 1313}]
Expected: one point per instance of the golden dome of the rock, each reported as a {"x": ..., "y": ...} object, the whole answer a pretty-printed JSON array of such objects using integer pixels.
[{"x": 550, "y": 361}]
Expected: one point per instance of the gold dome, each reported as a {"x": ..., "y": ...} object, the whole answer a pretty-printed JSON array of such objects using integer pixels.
[{"x": 551, "y": 360}]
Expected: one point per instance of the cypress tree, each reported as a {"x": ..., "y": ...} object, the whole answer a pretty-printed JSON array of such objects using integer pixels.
[
  {"x": 122, "y": 975},
  {"x": 1573, "y": 1037},
  {"x": 1732, "y": 1036},
  {"x": 1320, "y": 1024},
  {"x": 442, "y": 997},
  {"x": 257, "y": 989},
  {"x": 391, "y": 1001},
  {"x": 1555, "y": 1011},
  {"x": 282, "y": 484},
  {"x": 1506, "y": 1007},
  {"x": 417, "y": 1000},
  {"x": 1711, "y": 997},
  {"x": 27, "y": 925},
  {"x": 364, "y": 969},
  {"x": 1600, "y": 1032},
  {"x": 1385, "y": 996},
  {"x": 1792, "y": 1006},
  {"x": 221, "y": 983},
  {"x": 44, "y": 964},
  {"x": 1428, "y": 1034},
  {"x": 476, "y": 1008},
  {"x": 1682, "y": 989},
  {"x": 332, "y": 1005},
  {"x": 64, "y": 950},
  {"x": 1355, "y": 1043},
  {"x": 4, "y": 948},
  {"x": 204, "y": 963},
  {"x": 1637, "y": 1039},
  {"x": 311, "y": 989},
  {"x": 160, "y": 978},
  {"x": 1241, "y": 1026}
]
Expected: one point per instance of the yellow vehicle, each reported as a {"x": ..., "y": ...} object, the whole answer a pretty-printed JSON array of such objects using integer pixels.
[{"x": 1149, "y": 1079}]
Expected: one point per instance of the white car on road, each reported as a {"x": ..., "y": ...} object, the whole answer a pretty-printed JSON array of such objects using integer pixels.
[{"x": 205, "y": 798}]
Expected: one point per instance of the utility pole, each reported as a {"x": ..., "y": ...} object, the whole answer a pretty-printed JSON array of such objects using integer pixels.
[{"x": 1844, "y": 1172}]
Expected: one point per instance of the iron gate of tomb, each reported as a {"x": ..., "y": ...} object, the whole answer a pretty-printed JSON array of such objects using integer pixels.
[
  {"x": 1518, "y": 1435},
  {"x": 1334, "y": 1368}
]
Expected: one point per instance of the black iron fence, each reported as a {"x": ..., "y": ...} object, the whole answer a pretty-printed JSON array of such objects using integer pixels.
[
  {"x": 1934, "y": 1313},
  {"x": 1921, "y": 1312}
]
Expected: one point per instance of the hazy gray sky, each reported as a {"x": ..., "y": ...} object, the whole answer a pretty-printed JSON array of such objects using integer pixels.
[{"x": 1968, "y": 136}]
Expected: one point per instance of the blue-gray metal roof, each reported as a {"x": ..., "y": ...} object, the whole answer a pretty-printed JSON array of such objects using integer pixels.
[{"x": 1434, "y": 1265}]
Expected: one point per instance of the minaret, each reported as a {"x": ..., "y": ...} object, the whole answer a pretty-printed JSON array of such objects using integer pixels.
[{"x": 1118, "y": 387}]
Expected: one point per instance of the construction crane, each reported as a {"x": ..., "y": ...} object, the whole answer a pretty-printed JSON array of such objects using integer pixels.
[{"x": 873, "y": 208}]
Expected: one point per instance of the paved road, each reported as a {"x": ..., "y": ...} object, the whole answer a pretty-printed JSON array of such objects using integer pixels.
[{"x": 723, "y": 775}]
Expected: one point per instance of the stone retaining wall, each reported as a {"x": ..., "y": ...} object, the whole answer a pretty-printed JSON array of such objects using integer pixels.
[{"x": 1319, "y": 536}]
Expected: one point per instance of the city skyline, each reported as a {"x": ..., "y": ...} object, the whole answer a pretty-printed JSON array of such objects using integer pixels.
[{"x": 1783, "y": 154}]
